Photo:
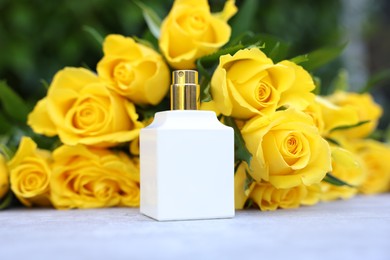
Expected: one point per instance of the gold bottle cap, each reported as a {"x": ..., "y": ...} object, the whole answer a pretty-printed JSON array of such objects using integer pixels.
[{"x": 185, "y": 91}]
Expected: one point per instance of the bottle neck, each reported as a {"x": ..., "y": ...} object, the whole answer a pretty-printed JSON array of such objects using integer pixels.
[{"x": 185, "y": 97}]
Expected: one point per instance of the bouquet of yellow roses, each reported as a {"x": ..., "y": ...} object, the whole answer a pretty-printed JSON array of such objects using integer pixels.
[{"x": 292, "y": 146}]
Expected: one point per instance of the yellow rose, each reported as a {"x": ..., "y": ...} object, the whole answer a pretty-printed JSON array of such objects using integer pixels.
[
  {"x": 366, "y": 109},
  {"x": 267, "y": 197},
  {"x": 4, "y": 178},
  {"x": 210, "y": 106},
  {"x": 287, "y": 149},
  {"x": 82, "y": 110},
  {"x": 134, "y": 147},
  {"x": 328, "y": 116},
  {"x": 249, "y": 84},
  {"x": 30, "y": 174},
  {"x": 347, "y": 167},
  {"x": 190, "y": 31},
  {"x": 313, "y": 195},
  {"x": 134, "y": 70},
  {"x": 375, "y": 156},
  {"x": 314, "y": 111},
  {"x": 241, "y": 191},
  {"x": 134, "y": 144},
  {"x": 85, "y": 177}
]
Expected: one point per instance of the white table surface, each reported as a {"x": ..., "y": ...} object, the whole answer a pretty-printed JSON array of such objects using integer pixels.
[{"x": 353, "y": 229}]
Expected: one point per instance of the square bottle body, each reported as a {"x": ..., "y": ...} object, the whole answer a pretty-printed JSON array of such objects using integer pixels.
[{"x": 187, "y": 167}]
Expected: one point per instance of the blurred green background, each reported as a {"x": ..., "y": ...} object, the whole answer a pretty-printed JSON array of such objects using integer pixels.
[{"x": 40, "y": 37}]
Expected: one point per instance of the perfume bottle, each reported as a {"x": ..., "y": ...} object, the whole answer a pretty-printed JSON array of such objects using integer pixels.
[{"x": 186, "y": 159}]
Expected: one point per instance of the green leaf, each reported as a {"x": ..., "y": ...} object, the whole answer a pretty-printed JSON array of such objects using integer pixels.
[
  {"x": 238, "y": 39},
  {"x": 345, "y": 127},
  {"x": 205, "y": 95},
  {"x": 241, "y": 151},
  {"x": 320, "y": 57},
  {"x": 8, "y": 153},
  {"x": 206, "y": 75},
  {"x": 5, "y": 126},
  {"x": 248, "y": 182},
  {"x": 299, "y": 59},
  {"x": 341, "y": 81},
  {"x": 144, "y": 42},
  {"x": 86, "y": 66},
  {"x": 332, "y": 141},
  {"x": 149, "y": 37},
  {"x": 243, "y": 20},
  {"x": 317, "y": 83},
  {"x": 45, "y": 84},
  {"x": 9, "y": 142},
  {"x": 248, "y": 204},
  {"x": 151, "y": 18},
  {"x": 147, "y": 112},
  {"x": 213, "y": 59},
  {"x": 6, "y": 201},
  {"x": 45, "y": 142},
  {"x": 13, "y": 105},
  {"x": 274, "y": 47},
  {"x": 329, "y": 178},
  {"x": 95, "y": 35},
  {"x": 376, "y": 79},
  {"x": 274, "y": 51},
  {"x": 378, "y": 135},
  {"x": 270, "y": 45},
  {"x": 387, "y": 135}
]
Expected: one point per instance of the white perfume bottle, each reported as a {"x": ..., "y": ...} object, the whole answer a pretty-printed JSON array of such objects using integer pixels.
[{"x": 187, "y": 159}]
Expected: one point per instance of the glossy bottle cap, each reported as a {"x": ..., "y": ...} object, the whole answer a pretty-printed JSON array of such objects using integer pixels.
[{"x": 185, "y": 91}]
